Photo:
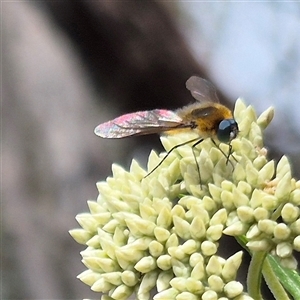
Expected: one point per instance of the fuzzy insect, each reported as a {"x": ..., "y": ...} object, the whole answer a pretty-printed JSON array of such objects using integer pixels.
[{"x": 207, "y": 117}]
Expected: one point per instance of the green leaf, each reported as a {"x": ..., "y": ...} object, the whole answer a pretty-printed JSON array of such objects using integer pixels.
[{"x": 290, "y": 279}]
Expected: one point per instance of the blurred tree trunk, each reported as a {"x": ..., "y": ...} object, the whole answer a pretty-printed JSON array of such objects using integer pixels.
[
  {"x": 133, "y": 55},
  {"x": 133, "y": 50}
]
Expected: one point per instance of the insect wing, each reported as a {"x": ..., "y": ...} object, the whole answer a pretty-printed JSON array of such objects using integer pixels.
[
  {"x": 201, "y": 89},
  {"x": 140, "y": 123}
]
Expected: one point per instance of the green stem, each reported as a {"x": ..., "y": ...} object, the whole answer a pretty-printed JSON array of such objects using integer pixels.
[
  {"x": 276, "y": 214},
  {"x": 255, "y": 273},
  {"x": 276, "y": 277}
]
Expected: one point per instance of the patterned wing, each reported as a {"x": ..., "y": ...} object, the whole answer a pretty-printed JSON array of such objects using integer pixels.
[
  {"x": 201, "y": 89},
  {"x": 140, "y": 123}
]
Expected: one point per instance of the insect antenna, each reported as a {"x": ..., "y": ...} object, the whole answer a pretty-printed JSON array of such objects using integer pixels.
[{"x": 172, "y": 149}]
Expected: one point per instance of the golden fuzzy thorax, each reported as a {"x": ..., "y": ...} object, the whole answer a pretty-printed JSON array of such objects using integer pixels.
[{"x": 206, "y": 117}]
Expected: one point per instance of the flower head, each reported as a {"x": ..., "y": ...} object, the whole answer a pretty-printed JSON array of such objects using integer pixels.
[{"x": 160, "y": 234}]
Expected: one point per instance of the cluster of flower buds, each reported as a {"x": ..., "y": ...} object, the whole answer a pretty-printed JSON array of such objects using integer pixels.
[{"x": 158, "y": 237}]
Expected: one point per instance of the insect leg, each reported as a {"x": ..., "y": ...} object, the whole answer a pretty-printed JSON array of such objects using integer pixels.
[
  {"x": 226, "y": 155},
  {"x": 169, "y": 152},
  {"x": 198, "y": 168},
  {"x": 230, "y": 153}
]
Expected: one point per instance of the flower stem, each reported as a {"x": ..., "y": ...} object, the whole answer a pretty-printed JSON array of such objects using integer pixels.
[{"x": 255, "y": 273}]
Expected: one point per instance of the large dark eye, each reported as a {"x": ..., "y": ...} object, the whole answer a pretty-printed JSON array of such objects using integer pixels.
[{"x": 228, "y": 130}]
